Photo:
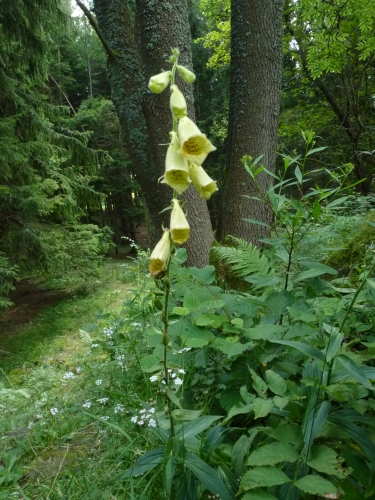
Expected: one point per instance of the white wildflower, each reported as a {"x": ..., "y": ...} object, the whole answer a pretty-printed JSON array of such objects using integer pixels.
[
  {"x": 54, "y": 411},
  {"x": 134, "y": 419},
  {"x": 154, "y": 378},
  {"x": 152, "y": 422},
  {"x": 178, "y": 381},
  {"x": 98, "y": 382},
  {"x": 68, "y": 375},
  {"x": 104, "y": 418},
  {"x": 102, "y": 400},
  {"x": 88, "y": 404}
]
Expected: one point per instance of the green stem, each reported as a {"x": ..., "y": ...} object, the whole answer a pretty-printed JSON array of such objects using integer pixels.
[{"x": 167, "y": 288}]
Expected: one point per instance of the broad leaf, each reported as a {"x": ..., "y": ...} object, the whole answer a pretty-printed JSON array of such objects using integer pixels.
[
  {"x": 276, "y": 383},
  {"x": 208, "y": 477},
  {"x": 286, "y": 433},
  {"x": 205, "y": 275},
  {"x": 263, "y": 477},
  {"x": 145, "y": 463},
  {"x": 262, "y": 407},
  {"x": 231, "y": 349},
  {"x": 325, "y": 460},
  {"x": 196, "y": 426},
  {"x": 357, "y": 434},
  {"x": 271, "y": 454},
  {"x": 259, "y": 384},
  {"x": 315, "y": 485},
  {"x": 264, "y": 331}
]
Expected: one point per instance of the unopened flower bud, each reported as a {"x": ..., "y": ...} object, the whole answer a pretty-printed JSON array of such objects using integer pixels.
[
  {"x": 180, "y": 228},
  {"x": 160, "y": 254},
  {"x": 178, "y": 103},
  {"x": 194, "y": 145},
  {"x": 159, "y": 82},
  {"x": 176, "y": 167},
  {"x": 186, "y": 74},
  {"x": 202, "y": 181}
]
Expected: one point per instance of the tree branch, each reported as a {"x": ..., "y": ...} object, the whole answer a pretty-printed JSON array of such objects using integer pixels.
[{"x": 95, "y": 27}]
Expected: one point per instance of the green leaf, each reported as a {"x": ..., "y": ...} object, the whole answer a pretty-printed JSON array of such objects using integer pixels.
[
  {"x": 275, "y": 382},
  {"x": 259, "y": 384},
  {"x": 203, "y": 320},
  {"x": 298, "y": 174},
  {"x": 354, "y": 370},
  {"x": 150, "y": 363},
  {"x": 196, "y": 426},
  {"x": 205, "y": 275},
  {"x": 336, "y": 202},
  {"x": 180, "y": 311},
  {"x": 316, "y": 485},
  {"x": 262, "y": 407},
  {"x": 306, "y": 349},
  {"x": 334, "y": 344},
  {"x": 186, "y": 415},
  {"x": 240, "y": 450},
  {"x": 315, "y": 417},
  {"x": 280, "y": 402},
  {"x": 315, "y": 150},
  {"x": 259, "y": 495},
  {"x": 278, "y": 302},
  {"x": 263, "y": 476},
  {"x": 231, "y": 349},
  {"x": 286, "y": 433},
  {"x": 264, "y": 331},
  {"x": 172, "y": 396},
  {"x": 357, "y": 434},
  {"x": 207, "y": 476},
  {"x": 146, "y": 463},
  {"x": 257, "y": 222},
  {"x": 325, "y": 460},
  {"x": 271, "y": 454},
  {"x": 239, "y": 410},
  {"x": 229, "y": 398},
  {"x": 191, "y": 302}
]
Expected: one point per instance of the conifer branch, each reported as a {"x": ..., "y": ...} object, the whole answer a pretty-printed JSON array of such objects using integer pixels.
[{"x": 95, "y": 27}]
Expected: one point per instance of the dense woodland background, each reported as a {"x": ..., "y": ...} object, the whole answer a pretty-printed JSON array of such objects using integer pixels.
[{"x": 69, "y": 185}]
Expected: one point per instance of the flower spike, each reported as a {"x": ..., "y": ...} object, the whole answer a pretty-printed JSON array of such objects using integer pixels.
[
  {"x": 176, "y": 167},
  {"x": 180, "y": 229},
  {"x": 160, "y": 254}
]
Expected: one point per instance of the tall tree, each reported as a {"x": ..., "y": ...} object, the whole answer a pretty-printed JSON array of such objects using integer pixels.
[
  {"x": 138, "y": 41},
  {"x": 255, "y": 86}
]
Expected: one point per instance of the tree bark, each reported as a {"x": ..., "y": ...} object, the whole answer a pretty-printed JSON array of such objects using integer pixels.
[
  {"x": 255, "y": 88},
  {"x": 141, "y": 50}
]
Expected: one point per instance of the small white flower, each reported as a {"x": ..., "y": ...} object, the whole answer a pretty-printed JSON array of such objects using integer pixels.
[
  {"x": 184, "y": 349},
  {"x": 54, "y": 411},
  {"x": 152, "y": 410},
  {"x": 88, "y": 404},
  {"x": 178, "y": 381},
  {"x": 173, "y": 375},
  {"x": 180, "y": 370},
  {"x": 152, "y": 422},
  {"x": 154, "y": 378},
  {"x": 102, "y": 400},
  {"x": 119, "y": 408},
  {"x": 142, "y": 411},
  {"x": 136, "y": 324},
  {"x": 141, "y": 422},
  {"x": 108, "y": 332},
  {"x": 98, "y": 382},
  {"x": 134, "y": 419},
  {"x": 94, "y": 345},
  {"x": 30, "y": 425},
  {"x": 68, "y": 375},
  {"x": 38, "y": 416},
  {"x": 104, "y": 418},
  {"x": 43, "y": 400},
  {"x": 78, "y": 369}
]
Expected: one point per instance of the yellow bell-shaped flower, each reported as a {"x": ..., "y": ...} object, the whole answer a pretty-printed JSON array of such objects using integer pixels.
[
  {"x": 202, "y": 181},
  {"x": 178, "y": 103},
  {"x": 176, "y": 167},
  {"x": 159, "y": 82},
  {"x": 180, "y": 229},
  {"x": 194, "y": 145},
  {"x": 160, "y": 254},
  {"x": 186, "y": 74}
]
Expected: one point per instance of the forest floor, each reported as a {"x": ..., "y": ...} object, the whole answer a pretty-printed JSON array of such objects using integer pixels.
[{"x": 57, "y": 388}]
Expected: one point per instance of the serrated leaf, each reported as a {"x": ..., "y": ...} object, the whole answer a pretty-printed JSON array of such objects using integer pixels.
[
  {"x": 191, "y": 302},
  {"x": 263, "y": 477},
  {"x": 275, "y": 382},
  {"x": 229, "y": 398},
  {"x": 315, "y": 485},
  {"x": 324, "y": 459},
  {"x": 150, "y": 362},
  {"x": 271, "y": 454},
  {"x": 239, "y": 410},
  {"x": 204, "y": 321},
  {"x": 278, "y": 302},
  {"x": 264, "y": 331},
  {"x": 262, "y": 407}
]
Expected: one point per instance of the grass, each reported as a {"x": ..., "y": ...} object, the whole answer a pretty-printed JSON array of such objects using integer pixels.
[{"x": 69, "y": 385}]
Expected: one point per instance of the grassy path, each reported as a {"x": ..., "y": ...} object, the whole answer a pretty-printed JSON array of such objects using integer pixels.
[{"x": 66, "y": 382}]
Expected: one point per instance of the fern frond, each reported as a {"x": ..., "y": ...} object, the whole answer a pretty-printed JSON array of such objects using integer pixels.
[{"x": 244, "y": 259}]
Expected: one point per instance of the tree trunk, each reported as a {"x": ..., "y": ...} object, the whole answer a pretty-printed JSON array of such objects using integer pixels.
[
  {"x": 141, "y": 50},
  {"x": 255, "y": 85}
]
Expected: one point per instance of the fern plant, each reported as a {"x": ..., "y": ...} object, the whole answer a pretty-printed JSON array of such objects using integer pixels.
[{"x": 244, "y": 258}]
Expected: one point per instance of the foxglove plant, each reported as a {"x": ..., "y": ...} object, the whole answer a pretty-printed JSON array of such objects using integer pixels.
[{"x": 186, "y": 152}]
